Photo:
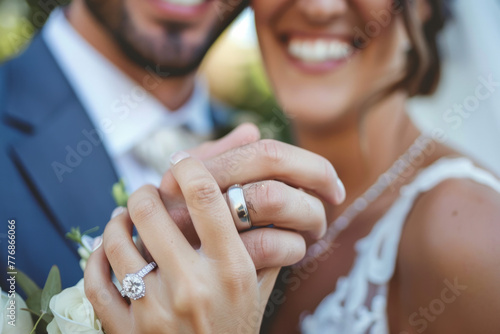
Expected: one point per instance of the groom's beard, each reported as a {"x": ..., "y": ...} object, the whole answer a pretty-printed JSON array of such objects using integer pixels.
[{"x": 166, "y": 53}]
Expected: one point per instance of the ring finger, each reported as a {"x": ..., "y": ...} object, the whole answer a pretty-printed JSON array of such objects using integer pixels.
[
  {"x": 274, "y": 202},
  {"x": 119, "y": 246}
]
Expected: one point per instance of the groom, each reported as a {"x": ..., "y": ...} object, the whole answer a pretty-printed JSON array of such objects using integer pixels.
[{"x": 100, "y": 78}]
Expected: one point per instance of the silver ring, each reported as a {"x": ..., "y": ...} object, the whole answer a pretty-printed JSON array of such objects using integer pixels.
[
  {"x": 238, "y": 207},
  {"x": 133, "y": 286}
]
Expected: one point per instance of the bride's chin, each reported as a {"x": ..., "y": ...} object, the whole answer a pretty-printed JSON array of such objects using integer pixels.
[{"x": 320, "y": 123}]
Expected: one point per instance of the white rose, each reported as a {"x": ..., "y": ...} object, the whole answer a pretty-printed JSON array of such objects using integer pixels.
[
  {"x": 73, "y": 313},
  {"x": 23, "y": 323}
]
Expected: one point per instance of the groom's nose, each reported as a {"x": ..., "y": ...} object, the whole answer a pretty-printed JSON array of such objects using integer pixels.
[{"x": 322, "y": 11}]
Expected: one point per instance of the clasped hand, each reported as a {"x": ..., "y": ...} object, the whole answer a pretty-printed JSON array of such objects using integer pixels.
[{"x": 212, "y": 278}]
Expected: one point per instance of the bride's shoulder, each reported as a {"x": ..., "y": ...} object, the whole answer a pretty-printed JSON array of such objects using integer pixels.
[
  {"x": 452, "y": 236},
  {"x": 456, "y": 211}
]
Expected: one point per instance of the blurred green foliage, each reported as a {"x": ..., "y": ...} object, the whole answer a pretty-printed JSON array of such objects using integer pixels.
[
  {"x": 19, "y": 20},
  {"x": 259, "y": 106}
]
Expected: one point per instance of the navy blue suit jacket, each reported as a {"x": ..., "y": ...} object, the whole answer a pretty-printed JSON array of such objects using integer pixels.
[{"x": 55, "y": 174}]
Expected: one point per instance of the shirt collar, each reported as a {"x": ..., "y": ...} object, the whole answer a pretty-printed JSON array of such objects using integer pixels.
[{"x": 122, "y": 110}]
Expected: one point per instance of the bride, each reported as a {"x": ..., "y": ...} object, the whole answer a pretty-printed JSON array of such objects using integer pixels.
[{"x": 412, "y": 249}]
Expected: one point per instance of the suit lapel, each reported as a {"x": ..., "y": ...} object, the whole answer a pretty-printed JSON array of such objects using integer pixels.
[{"x": 61, "y": 155}]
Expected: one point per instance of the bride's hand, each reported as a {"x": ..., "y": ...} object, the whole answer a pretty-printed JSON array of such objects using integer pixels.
[{"x": 215, "y": 289}]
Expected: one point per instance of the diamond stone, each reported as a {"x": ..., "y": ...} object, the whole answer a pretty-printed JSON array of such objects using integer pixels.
[{"x": 133, "y": 286}]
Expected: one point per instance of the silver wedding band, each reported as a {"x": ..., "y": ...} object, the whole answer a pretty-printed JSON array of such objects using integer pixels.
[
  {"x": 133, "y": 286},
  {"x": 238, "y": 207}
]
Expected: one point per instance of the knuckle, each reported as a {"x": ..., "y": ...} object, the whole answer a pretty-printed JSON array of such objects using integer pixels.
[
  {"x": 203, "y": 192},
  {"x": 307, "y": 209},
  {"x": 315, "y": 209},
  {"x": 159, "y": 323},
  {"x": 273, "y": 198},
  {"x": 190, "y": 296},
  {"x": 113, "y": 247},
  {"x": 293, "y": 252},
  {"x": 238, "y": 275},
  {"x": 267, "y": 246},
  {"x": 223, "y": 167},
  {"x": 268, "y": 200},
  {"x": 271, "y": 151},
  {"x": 229, "y": 162},
  {"x": 182, "y": 303},
  {"x": 203, "y": 297},
  {"x": 143, "y": 209},
  {"x": 271, "y": 250},
  {"x": 259, "y": 250},
  {"x": 237, "y": 280}
]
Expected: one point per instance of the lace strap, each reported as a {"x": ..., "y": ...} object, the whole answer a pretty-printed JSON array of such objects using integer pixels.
[{"x": 359, "y": 303}]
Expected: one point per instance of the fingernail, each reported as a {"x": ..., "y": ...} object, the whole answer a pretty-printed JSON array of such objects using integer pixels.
[
  {"x": 176, "y": 157},
  {"x": 117, "y": 211},
  {"x": 97, "y": 243},
  {"x": 340, "y": 194}
]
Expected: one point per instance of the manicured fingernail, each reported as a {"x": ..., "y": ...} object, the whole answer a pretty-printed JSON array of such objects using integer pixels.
[
  {"x": 340, "y": 194},
  {"x": 176, "y": 157},
  {"x": 97, "y": 243},
  {"x": 117, "y": 211}
]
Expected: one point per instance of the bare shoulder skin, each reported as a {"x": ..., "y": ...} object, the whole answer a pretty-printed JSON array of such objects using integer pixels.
[{"x": 448, "y": 267}]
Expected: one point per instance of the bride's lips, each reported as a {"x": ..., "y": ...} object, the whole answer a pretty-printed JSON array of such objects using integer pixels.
[
  {"x": 313, "y": 53},
  {"x": 187, "y": 10}
]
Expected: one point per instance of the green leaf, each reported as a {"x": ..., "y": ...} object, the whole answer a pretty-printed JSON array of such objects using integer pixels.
[
  {"x": 48, "y": 317},
  {"x": 31, "y": 311},
  {"x": 75, "y": 235},
  {"x": 92, "y": 230},
  {"x": 34, "y": 302},
  {"x": 26, "y": 284},
  {"x": 52, "y": 287},
  {"x": 119, "y": 193}
]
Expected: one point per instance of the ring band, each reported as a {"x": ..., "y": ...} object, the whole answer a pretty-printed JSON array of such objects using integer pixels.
[
  {"x": 238, "y": 207},
  {"x": 133, "y": 286}
]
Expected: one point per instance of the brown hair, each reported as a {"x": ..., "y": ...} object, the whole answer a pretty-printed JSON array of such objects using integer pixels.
[
  {"x": 424, "y": 63},
  {"x": 423, "y": 66}
]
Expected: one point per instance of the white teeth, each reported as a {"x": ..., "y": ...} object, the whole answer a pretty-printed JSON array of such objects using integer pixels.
[
  {"x": 185, "y": 2},
  {"x": 319, "y": 50}
]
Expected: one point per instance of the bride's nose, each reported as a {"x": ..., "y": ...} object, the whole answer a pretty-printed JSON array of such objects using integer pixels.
[{"x": 322, "y": 11}]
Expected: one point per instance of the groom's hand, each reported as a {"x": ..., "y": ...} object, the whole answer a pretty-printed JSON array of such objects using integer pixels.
[{"x": 273, "y": 175}]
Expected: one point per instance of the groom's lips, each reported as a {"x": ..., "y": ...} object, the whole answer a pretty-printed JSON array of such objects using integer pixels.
[{"x": 173, "y": 11}]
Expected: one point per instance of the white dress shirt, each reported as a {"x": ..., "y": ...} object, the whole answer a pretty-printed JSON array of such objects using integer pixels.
[{"x": 122, "y": 110}]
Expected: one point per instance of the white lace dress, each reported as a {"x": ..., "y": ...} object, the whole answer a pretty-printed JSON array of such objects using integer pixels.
[{"x": 359, "y": 303}]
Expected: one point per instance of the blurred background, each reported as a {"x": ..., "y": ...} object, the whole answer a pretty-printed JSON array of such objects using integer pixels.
[
  {"x": 232, "y": 67},
  {"x": 234, "y": 71}
]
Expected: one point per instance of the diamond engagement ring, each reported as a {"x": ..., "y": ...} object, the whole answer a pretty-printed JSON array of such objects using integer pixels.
[
  {"x": 133, "y": 286},
  {"x": 238, "y": 207}
]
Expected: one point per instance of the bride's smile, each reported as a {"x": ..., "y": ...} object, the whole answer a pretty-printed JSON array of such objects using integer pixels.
[
  {"x": 312, "y": 58},
  {"x": 315, "y": 53}
]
